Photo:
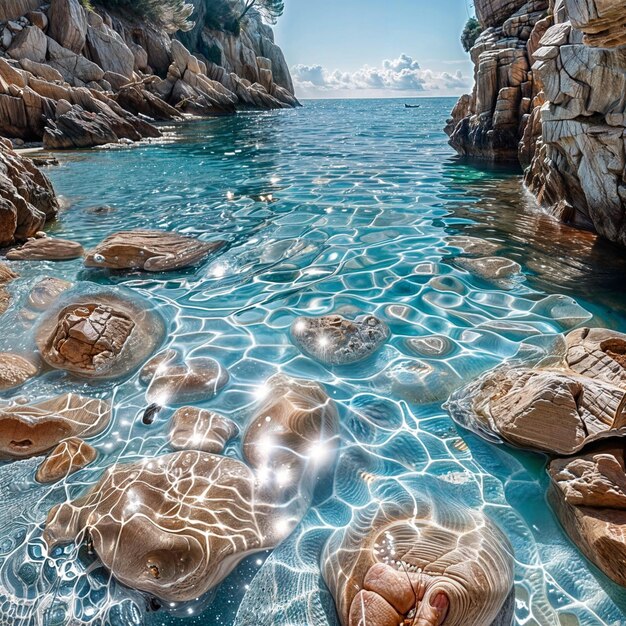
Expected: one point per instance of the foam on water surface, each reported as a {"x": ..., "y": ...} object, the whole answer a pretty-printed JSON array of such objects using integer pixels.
[{"x": 342, "y": 207}]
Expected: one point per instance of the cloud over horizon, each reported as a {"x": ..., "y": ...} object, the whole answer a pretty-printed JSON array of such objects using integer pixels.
[{"x": 401, "y": 74}]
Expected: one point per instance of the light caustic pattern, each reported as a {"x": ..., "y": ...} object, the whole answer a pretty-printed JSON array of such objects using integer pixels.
[{"x": 338, "y": 208}]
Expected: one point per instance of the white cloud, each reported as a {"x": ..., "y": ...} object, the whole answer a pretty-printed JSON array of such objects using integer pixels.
[{"x": 401, "y": 74}]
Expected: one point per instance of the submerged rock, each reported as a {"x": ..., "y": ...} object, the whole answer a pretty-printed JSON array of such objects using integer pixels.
[
  {"x": 198, "y": 429},
  {"x": 99, "y": 335},
  {"x": 494, "y": 269},
  {"x": 588, "y": 493},
  {"x": 68, "y": 457},
  {"x": 15, "y": 370},
  {"x": 46, "y": 249},
  {"x": 196, "y": 380},
  {"x": 552, "y": 411},
  {"x": 473, "y": 246},
  {"x": 30, "y": 430},
  {"x": 335, "y": 340},
  {"x": 425, "y": 563},
  {"x": 150, "y": 250},
  {"x": 46, "y": 291},
  {"x": 175, "y": 526}
]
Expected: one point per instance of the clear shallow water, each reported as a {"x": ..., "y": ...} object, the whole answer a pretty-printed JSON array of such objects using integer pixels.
[{"x": 343, "y": 206}]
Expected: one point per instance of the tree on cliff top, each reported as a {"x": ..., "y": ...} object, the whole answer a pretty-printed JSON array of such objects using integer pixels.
[
  {"x": 172, "y": 15},
  {"x": 270, "y": 10},
  {"x": 471, "y": 32}
]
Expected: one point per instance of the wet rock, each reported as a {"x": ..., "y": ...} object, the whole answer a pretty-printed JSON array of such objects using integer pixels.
[
  {"x": 103, "y": 336},
  {"x": 552, "y": 411},
  {"x": 46, "y": 291},
  {"x": 493, "y": 269},
  {"x": 68, "y": 457},
  {"x": 473, "y": 246},
  {"x": 6, "y": 274},
  {"x": 335, "y": 340},
  {"x": 46, "y": 249},
  {"x": 30, "y": 430},
  {"x": 15, "y": 370},
  {"x": 456, "y": 566},
  {"x": 150, "y": 250},
  {"x": 599, "y": 353},
  {"x": 199, "y": 429},
  {"x": 196, "y": 380},
  {"x": 588, "y": 493},
  {"x": 175, "y": 526},
  {"x": 158, "y": 364},
  {"x": 27, "y": 198}
]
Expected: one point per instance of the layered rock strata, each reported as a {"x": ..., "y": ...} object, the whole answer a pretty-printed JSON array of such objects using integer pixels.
[
  {"x": 550, "y": 84},
  {"x": 75, "y": 78}
]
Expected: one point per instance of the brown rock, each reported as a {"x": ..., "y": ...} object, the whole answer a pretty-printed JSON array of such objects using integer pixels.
[
  {"x": 27, "y": 198},
  {"x": 150, "y": 250},
  {"x": 198, "y": 429},
  {"x": 473, "y": 246},
  {"x": 6, "y": 274},
  {"x": 102, "y": 336},
  {"x": 158, "y": 364},
  {"x": 30, "y": 430},
  {"x": 196, "y": 380},
  {"x": 68, "y": 24},
  {"x": 45, "y": 292},
  {"x": 46, "y": 249},
  {"x": 589, "y": 497},
  {"x": 15, "y": 370},
  {"x": 495, "y": 269},
  {"x": 175, "y": 526},
  {"x": 31, "y": 44},
  {"x": 553, "y": 411},
  {"x": 599, "y": 353},
  {"x": 68, "y": 457}
]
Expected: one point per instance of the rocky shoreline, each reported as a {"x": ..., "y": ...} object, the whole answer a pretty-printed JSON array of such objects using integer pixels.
[
  {"x": 75, "y": 78},
  {"x": 550, "y": 85}
]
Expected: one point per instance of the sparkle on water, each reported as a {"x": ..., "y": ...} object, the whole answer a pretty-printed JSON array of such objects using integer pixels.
[{"x": 345, "y": 207}]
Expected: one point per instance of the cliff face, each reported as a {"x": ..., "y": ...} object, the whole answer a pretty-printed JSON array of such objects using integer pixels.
[
  {"x": 551, "y": 92},
  {"x": 76, "y": 78}
]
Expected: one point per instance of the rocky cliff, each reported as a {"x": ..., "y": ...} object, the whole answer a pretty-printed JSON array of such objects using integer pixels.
[
  {"x": 551, "y": 92},
  {"x": 73, "y": 77}
]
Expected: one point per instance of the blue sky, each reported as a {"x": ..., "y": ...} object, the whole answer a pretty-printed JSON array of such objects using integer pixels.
[{"x": 373, "y": 48}]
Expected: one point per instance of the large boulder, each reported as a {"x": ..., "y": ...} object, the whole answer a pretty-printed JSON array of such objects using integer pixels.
[
  {"x": 588, "y": 493},
  {"x": 108, "y": 50},
  {"x": 150, "y": 250},
  {"x": 31, "y": 44},
  {"x": 12, "y": 9},
  {"x": 68, "y": 24},
  {"x": 27, "y": 199}
]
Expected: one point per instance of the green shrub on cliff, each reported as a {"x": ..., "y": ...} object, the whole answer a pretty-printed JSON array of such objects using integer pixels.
[
  {"x": 471, "y": 32},
  {"x": 172, "y": 15},
  {"x": 270, "y": 10}
]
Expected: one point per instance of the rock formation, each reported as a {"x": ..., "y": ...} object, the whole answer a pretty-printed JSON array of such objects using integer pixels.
[
  {"x": 32, "y": 429},
  {"x": 27, "y": 199},
  {"x": 335, "y": 340},
  {"x": 74, "y": 77},
  {"x": 175, "y": 526},
  {"x": 420, "y": 563},
  {"x": 550, "y": 85},
  {"x": 588, "y": 493},
  {"x": 574, "y": 410},
  {"x": 68, "y": 457},
  {"x": 98, "y": 336},
  {"x": 46, "y": 249},
  {"x": 150, "y": 250}
]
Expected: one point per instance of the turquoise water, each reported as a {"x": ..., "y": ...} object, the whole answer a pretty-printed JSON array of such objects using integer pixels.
[{"x": 342, "y": 206}]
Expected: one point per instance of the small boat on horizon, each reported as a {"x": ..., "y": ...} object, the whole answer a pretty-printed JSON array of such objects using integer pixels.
[{"x": 412, "y": 106}]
